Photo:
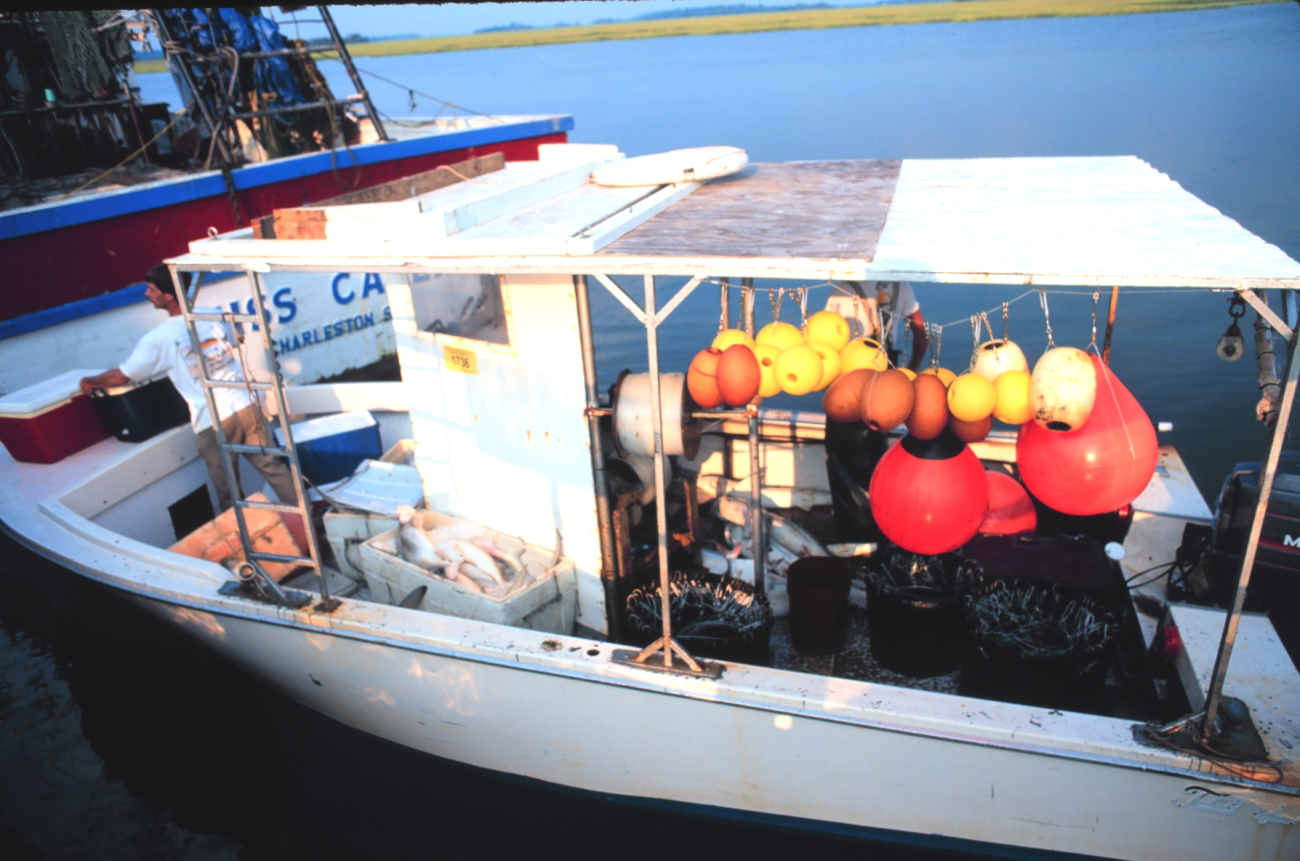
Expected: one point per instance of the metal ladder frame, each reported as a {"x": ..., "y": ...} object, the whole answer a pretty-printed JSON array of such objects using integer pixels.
[{"x": 252, "y": 570}]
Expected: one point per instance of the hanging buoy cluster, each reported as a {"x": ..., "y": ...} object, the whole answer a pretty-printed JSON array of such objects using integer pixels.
[
  {"x": 780, "y": 358},
  {"x": 928, "y": 402}
]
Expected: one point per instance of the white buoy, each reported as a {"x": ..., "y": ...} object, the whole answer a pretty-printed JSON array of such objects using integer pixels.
[
  {"x": 997, "y": 357},
  {"x": 1062, "y": 389}
]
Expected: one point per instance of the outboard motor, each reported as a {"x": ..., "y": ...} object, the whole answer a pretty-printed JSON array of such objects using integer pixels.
[{"x": 1275, "y": 581}]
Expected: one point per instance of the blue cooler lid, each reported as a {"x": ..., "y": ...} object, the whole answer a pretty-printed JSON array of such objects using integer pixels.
[{"x": 327, "y": 426}]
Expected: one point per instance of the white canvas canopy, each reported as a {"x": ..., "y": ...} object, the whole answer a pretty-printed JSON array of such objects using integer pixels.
[{"x": 1094, "y": 221}]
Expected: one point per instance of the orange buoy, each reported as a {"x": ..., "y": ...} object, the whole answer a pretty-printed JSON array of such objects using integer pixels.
[
  {"x": 930, "y": 408},
  {"x": 929, "y": 496},
  {"x": 969, "y": 432},
  {"x": 739, "y": 376},
  {"x": 886, "y": 400},
  {"x": 702, "y": 378},
  {"x": 1098, "y": 468},
  {"x": 1011, "y": 510},
  {"x": 843, "y": 400}
]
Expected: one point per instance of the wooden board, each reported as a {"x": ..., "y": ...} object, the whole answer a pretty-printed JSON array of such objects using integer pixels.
[
  {"x": 308, "y": 222},
  {"x": 824, "y": 210}
]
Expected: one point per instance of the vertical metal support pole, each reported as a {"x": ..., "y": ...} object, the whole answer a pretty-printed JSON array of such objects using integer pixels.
[
  {"x": 352, "y": 72},
  {"x": 1110, "y": 324},
  {"x": 656, "y": 423},
  {"x": 747, "y": 304},
  {"x": 604, "y": 517},
  {"x": 756, "y": 505},
  {"x": 1252, "y": 544},
  {"x": 282, "y": 410}
]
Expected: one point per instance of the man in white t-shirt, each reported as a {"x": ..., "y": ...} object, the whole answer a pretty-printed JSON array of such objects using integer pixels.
[
  {"x": 860, "y": 302},
  {"x": 167, "y": 349}
]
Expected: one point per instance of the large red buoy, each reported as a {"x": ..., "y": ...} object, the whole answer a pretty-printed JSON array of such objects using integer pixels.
[
  {"x": 1098, "y": 468},
  {"x": 929, "y": 496},
  {"x": 1011, "y": 511}
]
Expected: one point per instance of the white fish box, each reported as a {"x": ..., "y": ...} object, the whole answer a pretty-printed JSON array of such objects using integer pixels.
[
  {"x": 549, "y": 604},
  {"x": 347, "y": 530}
]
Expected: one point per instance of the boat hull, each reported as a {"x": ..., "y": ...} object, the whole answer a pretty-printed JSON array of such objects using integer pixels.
[{"x": 712, "y": 754}]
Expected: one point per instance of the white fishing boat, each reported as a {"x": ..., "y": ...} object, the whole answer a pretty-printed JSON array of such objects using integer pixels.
[{"x": 511, "y": 432}]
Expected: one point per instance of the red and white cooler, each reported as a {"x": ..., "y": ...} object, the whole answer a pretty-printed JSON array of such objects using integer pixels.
[{"x": 48, "y": 421}]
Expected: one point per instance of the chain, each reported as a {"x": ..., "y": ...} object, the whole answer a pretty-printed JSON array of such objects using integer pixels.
[
  {"x": 1047, "y": 320},
  {"x": 1006, "y": 324},
  {"x": 936, "y": 343},
  {"x": 803, "y": 305}
]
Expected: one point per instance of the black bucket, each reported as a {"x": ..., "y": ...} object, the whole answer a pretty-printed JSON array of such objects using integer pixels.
[
  {"x": 713, "y": 617},
  {"x": 819, "y": 603},
  {"x": 1036, "y": 646},
  {"x": 914, "y": 610}
]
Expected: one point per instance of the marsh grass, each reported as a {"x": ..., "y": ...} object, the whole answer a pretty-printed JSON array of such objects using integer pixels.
[{"x": 761, "y": 22}]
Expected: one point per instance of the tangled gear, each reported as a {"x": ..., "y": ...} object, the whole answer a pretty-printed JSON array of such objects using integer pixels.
[{"x": 89, "y": 56}]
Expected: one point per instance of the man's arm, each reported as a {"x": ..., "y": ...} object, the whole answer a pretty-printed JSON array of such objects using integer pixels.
[
  {"x": 919, "y": 339},
  {"x": 106, "y": 380}
]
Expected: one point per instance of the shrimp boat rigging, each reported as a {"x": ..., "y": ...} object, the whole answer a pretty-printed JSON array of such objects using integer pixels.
[{"x": 512, "y": 402}]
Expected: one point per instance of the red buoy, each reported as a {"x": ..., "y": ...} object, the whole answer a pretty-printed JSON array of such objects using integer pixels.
[
  {"x": 929, "y": 496},
  {"x": 1011, "y": 511},
  {"x": 1098, "y": 468}
]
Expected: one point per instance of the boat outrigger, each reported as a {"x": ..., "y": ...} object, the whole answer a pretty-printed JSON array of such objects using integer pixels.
[{"x": 488, "y": 281}]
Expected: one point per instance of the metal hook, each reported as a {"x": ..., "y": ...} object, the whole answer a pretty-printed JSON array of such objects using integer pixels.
[
  {"x": 803, "y": 305},
  {"x": 1006, "y": 325},
  {"x": 725, "y": 309},
  {"x": 1047, "y": 319},
  {"x": 774, "y": 297}
]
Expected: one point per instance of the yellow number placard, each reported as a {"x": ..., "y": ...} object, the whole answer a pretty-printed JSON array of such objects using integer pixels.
[{"x": 460, "y": 361}]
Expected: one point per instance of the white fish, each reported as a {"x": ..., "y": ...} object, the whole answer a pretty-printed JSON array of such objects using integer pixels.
[
  {"x": 470, "y": 571},
  {"x": 479, "y": 558},
  {"x": 413, "y": 544},
  {"x": 467, "y": 582},
  {"x": 793, "y": 537}
]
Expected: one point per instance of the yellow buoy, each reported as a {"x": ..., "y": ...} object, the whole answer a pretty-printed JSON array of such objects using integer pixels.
[
  {"x": 827, "y": 327},
  {"x": 727, "y": 337},
  {"x": 1062, "y": 389},
  {"x": 830, "y": 362},
  {"x": 1012, "y": 389},
  {"x": 779, "y": 335},
  {"x": 766, "y": 355},
  {"x": 798, "y": 369},
  {"x": 945, "y": 376},
  {"x": 862, "y": 353},
  {"x": 971, "y": 398}
]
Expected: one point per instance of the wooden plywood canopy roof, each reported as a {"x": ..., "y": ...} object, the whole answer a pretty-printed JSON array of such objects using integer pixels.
[{"x": 1054, "y": 221}]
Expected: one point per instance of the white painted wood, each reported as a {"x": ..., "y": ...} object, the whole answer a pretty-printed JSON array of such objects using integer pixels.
[
  {"x": 602, "y": 233},
  {"x": 508, "y": 446},
  {"x": 1088, "y": 220},
  {"x": 697, "y": 164},
  {"x": 1172, "y": 492}
]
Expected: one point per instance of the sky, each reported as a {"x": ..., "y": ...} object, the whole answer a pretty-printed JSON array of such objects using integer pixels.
[{"x": 451, "y": 19}]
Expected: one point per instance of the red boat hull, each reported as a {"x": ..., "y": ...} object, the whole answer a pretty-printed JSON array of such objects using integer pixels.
[{"x": 51, "y": 267}]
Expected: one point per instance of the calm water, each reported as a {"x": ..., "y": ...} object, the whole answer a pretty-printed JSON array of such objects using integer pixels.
[{"x": 120, "y": 740}]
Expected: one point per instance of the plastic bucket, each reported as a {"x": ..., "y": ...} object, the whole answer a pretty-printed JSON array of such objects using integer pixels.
[
  {"x": 917, "y": 627},
  {"x": 818, "y": 587},
  {"x": 1047, "y": 649}
]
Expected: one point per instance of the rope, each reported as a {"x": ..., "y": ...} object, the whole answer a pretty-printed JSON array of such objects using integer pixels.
[
  {"x": 451, "y": 105},
  {"x": 96, "y": 179}
]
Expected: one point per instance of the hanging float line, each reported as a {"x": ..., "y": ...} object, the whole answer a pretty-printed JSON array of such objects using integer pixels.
[{"x": 961, "y": 321}]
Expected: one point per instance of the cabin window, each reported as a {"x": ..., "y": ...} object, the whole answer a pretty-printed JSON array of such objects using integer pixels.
[{"x": 466, "y": 306}]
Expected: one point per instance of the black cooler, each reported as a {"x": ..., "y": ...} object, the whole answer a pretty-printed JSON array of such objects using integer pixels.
[{"x": 141, "y": 410}]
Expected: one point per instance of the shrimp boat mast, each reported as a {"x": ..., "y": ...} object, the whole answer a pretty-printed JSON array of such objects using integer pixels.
[{"x": 489, "y": 282}]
